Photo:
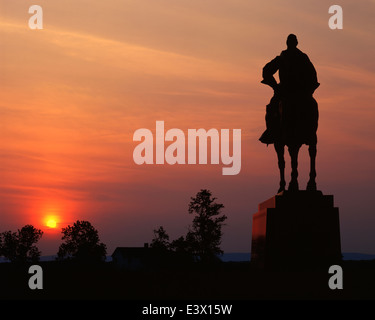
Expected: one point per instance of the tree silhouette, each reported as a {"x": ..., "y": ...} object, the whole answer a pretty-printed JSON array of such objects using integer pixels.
[
  {"x": 203, "y": 239},
  {"x": 204, "y": 236},
  {"x": 180, "y": 245},
  {"x": 20, "y": 246},
  {"x": 82, "y": 243},
  {"x": 161, "y": 239}
]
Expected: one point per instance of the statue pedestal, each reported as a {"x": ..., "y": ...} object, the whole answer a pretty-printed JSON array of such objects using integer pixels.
[{"x": 296, "y": 229}]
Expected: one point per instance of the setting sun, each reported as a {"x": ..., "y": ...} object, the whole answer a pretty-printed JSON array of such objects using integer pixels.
[{"x": 51, "y": 222}]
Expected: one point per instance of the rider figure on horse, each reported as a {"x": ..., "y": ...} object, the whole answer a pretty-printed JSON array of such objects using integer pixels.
[{"x": 292, "y": 114}]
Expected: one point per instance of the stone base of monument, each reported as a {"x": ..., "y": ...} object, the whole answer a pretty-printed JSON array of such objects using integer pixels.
[{"x": 299, "y": 229}]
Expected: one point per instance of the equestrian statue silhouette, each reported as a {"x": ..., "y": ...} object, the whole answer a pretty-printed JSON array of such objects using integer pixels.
[{"x": 292, "y": 114}]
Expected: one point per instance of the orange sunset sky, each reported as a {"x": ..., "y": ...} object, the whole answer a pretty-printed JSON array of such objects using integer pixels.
[{"x": 73, "y": 94}]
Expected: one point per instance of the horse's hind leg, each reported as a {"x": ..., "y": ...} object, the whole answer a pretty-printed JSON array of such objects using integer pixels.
[
  {"x": 281, "y": 162},
  {"x": 293, "y": 184},
  {"x": 311, "y": 185}
]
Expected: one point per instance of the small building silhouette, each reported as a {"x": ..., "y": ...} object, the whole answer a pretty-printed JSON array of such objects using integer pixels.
[
  {"x": 141, "y": 258},
  {"x": 132, "y": 258}
]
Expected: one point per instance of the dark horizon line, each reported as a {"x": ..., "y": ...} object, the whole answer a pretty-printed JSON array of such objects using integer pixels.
[{"x": 346, "y": 256}]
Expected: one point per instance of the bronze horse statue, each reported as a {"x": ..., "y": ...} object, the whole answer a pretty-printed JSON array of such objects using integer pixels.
[{"x": 292, "y": 114}]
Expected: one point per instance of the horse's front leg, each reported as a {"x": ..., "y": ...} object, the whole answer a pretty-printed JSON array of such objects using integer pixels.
[
  {"x": 311, "y": 185},
  {"x": 293, "y": 151},
  {"x": 279, "y": 147}
]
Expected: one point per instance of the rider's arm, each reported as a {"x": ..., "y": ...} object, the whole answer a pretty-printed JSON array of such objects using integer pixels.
[{"x": 269, "y": 70}]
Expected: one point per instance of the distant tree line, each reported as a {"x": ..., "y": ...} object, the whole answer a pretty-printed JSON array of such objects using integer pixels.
[{"x": 81, "y": 240}]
